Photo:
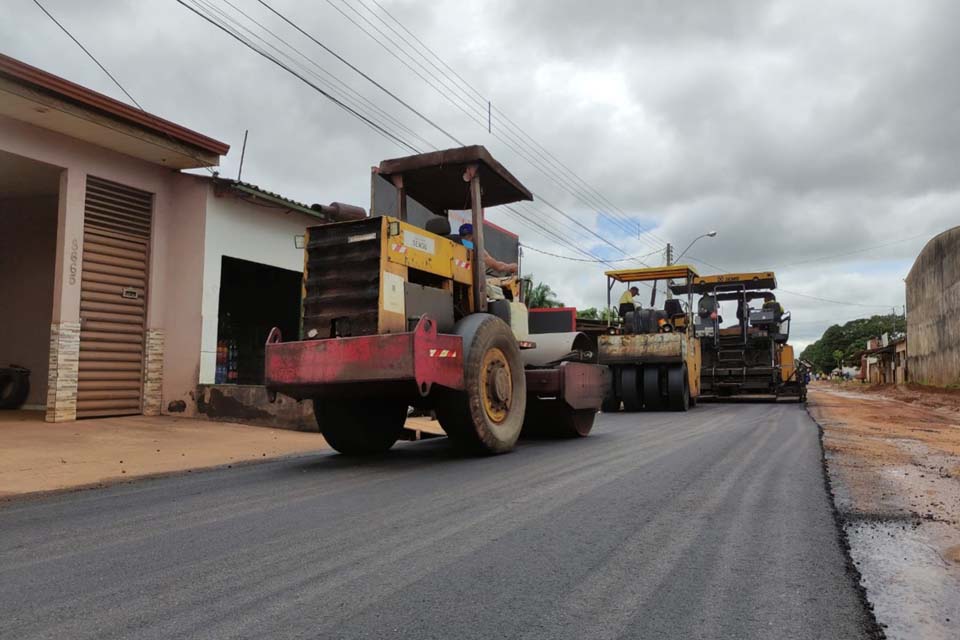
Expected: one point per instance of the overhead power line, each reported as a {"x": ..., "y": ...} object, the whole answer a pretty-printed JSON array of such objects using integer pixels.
[
  {"x": 328, "y": 79},
  {"x": 509, "y": 124},
  {"x": 90, "y": 55},
  {"x": 377, "y": 127},
  {"x": 203, "y": 162},
  {"x": 849, "y": 304},
  {"x": 600, "y": 260},
  {"x": 450, "y": 91},
  {"x": 856, "y": 251},
  {"x": 802, "y": 295},
  {"x": 533, "y": 217},
  {"x": 510, "y": 145},
  {"x": 360, "y": 72}
]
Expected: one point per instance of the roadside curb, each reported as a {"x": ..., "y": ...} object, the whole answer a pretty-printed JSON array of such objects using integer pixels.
[
  {"x": 159, "y": 475},
  {"x": 873, "y": 628}
]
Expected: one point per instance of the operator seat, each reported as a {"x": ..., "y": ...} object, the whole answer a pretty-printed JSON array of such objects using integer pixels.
[
  {"x": 438, "y": 225},
  {"x": 673, "y": 307}
]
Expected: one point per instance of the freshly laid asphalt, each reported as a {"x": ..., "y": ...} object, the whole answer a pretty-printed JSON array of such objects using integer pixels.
[{"x": 710, "y": 524}]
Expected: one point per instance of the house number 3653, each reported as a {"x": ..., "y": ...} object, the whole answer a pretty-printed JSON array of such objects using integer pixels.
[{"x": 74, "y": 257}]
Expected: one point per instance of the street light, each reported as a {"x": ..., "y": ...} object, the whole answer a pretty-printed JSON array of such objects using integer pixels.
[{"x": 708, "y": 234}]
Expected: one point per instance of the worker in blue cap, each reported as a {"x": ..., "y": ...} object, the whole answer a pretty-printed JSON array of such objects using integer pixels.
[{"x": 489, "y": 262}]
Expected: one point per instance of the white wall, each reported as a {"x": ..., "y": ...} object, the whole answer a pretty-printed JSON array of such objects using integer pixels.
[{"x": 239, "y": 229}]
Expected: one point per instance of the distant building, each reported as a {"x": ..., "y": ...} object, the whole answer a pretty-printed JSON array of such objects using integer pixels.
[
  {"x": 933, "y": 312},
  {"x": 885, "y": 361}
]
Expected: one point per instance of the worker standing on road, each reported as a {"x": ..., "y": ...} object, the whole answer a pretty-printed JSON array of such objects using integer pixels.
[
  {"x": 489, "y": 262},
  {"x": 626, "y": 301}
]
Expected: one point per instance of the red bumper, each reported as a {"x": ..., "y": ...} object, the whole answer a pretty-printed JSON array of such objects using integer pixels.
[{"x": 309, "y": 368}]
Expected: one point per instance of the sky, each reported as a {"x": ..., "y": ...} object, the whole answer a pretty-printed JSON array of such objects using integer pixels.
[{"x": 819, "y": 139}]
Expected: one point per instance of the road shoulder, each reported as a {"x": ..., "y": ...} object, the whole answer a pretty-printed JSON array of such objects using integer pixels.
[
  {"x": 894, "y": 467},
  {"x": 40, "y": 457}
]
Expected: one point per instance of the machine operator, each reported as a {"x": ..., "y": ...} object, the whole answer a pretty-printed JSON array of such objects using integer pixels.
[
  {"x": 626, "y": 301},
  {"x": 491, "y": 263}
]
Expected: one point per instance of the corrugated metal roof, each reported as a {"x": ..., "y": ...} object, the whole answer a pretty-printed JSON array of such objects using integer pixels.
[{"x": 252, "y": 190}]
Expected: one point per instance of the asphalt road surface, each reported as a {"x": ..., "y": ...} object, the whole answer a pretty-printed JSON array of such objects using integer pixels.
[{"x": 712, "y": 524}]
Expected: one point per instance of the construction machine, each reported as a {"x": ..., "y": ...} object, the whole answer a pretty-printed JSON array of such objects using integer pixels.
[
  {"x": 751, "y": 355},
  {"x": 396, "y": 315},
  {"x": 653, "y": 353}
]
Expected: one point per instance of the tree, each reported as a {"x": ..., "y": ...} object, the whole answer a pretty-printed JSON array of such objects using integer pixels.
[
  {"x": 541, "y": 296},
  {"x": 592, "y": 313},
  {"x": 851, "y": 340},
  {"x": 838, "y": 356}
]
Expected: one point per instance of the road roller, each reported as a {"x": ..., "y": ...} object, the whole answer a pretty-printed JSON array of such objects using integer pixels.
[
  {"x": 396, "y": 315},
  {"x": 652, "y": 352}
]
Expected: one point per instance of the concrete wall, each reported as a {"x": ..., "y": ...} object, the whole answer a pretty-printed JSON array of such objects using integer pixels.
[
  {"x": 27, "y": 254},
  {"x": 183, "y": 274},
  {"x": 239, "y": 229},
  {"x": 933, "y": 312}
]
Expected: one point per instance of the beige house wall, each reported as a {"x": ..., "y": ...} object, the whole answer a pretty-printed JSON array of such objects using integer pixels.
[{"x": 174, "y": 282}]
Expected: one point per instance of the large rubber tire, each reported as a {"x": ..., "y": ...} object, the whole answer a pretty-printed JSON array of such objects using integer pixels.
[
  {"x": 363, "y": 427},
  {"x": 14, "y": 387},
  {"x": 556, "y": 419},
  {"x": 652, "y": 397},
  {"x": 678, "y": 391},
  {"x": 487, "y": 416},
  {"x": 630, "y": 389}
]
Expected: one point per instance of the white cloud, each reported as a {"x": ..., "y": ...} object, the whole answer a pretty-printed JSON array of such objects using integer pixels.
[{"x": 797, "y": 130}]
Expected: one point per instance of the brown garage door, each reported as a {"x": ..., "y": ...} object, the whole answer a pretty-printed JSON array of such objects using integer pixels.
[{"x": 113, "y": 293}]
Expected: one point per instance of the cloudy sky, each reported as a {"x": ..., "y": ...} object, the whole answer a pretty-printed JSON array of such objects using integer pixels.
[{"x": 802, "y": 132}]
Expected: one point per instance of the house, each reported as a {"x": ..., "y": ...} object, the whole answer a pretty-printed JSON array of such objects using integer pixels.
[
  {"x": 126, "y": 285},
  {"x": 885, "y": 360}
]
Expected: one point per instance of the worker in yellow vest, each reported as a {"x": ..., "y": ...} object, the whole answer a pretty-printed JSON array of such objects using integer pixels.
[{"x": 626, "y": 300}]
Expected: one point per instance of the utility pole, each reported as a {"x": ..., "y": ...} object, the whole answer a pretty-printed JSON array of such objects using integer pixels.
[{"x": 669, "y": 262}]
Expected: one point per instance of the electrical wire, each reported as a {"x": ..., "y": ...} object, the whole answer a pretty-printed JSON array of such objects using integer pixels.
[
  {"x": 179, "y": 147},
  {"x": 360, "y": 72},
  {"x": 89, "y": 55},
  {"x": 299, "y": 76},
  {"x": 447, "y": 96},
  {"x": 445, "y": 91},
  {"x": 344, "y": 91},
  {"x": 802, "y": 295},
  {"x": 849, "y": 304},
  {"x": 380, "y": 128},
  {"x": 557, "y": 255},
  {"x": 510, "y": 124},
  {"x": 855, "y": 251}
]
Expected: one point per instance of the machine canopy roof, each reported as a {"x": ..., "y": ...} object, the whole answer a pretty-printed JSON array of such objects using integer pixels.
[
  {"x": 753, "y": 281},
  {"x": 435, "y": 179},
  {"x": 673, "y": 272}
]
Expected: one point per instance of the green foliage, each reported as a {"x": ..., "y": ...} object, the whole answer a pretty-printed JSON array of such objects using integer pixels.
[
  {"x": 592, "y": 313},
  {"x": 540, "y": 296},
  {"x": 845, "y": 343}
]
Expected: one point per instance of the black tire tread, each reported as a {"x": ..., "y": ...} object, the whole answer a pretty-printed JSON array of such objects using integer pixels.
[
  {"x": 359, "y": 427},
  {"x": 461, "y": 413}
]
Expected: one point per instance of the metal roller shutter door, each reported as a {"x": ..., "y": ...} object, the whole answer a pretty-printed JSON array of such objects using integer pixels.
[{"x": 113, "y": 295}]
